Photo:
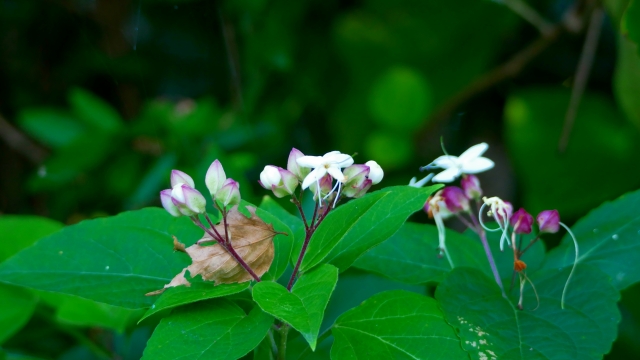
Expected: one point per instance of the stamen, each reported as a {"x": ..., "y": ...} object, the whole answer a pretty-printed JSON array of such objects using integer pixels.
[
  {"x": 482, "y": 222},
  {"x": 575, "y": 262}
]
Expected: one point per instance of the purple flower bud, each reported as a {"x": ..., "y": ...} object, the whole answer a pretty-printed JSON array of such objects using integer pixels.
[
  {"x": 521, "y": 221},
  {"x": 178, "y": 198},
  {"x": 167, "y": 203},
  {"x": 363, "y": 188},
  {"x": 215, "y": 177},
  {"x": 179, "y": 177},
  {"x": 229, "y": 193},
  {"x": 281, "y": 181},
  {"x": 293, "y": 166},
  {"x": 194, "y": 200},
  {"x": 549, "y": 221},
  {"x": 507, "y": 210},
  {"x": 326, "y": 184},
  {"x": 454, "y": 199},
  {"x": 355, "y": 176},
  {"x": 471, "y": 186}
]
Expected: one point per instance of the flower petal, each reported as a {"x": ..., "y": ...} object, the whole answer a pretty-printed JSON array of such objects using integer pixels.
[
  {"x": 477, "y": 165},
  {"x": 338, "y": 159},
  {"x": 336, "y": 173},
  {"x": 310, "y": 161},
  {"x": 473, "y": 152},
  {"x": 445, "y": 161},
  {"x": 313, "y": 176},
  {"x": 447, "y": 176}
]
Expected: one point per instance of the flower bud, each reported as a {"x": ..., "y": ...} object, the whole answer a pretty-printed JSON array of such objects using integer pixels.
[
  {"x": 215, "y": 177},
  {"x": 326, "y": 184},
  {"x": 269, "y": 177},
  {"x": 229, "y": 193},
  {"x": 471, "y": 186},
  {"x": 363, "y": 188},
  {"x": 178, "y": 199},
  {"x": 375, "y": 172},
  {"x": 281, "y": 181},
  {"x": 355, "y": 176},
  {"x": 292, "y": 164},
  {"x": 179, "y": 177},
  {"x": 167, "y": 203},
  {"x": 521, "y": 221},
  {"x": 188, "y": 200},
  {"x": 503, "y": 212},
  {"x": 549, "y": 221},
  {"x": 454, "y": 199}
]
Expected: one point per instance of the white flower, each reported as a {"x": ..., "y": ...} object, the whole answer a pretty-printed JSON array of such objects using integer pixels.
[
  {"x": 330, "y": 163},
  {"x": 470, "y": 162},
  {"x": 375, "y": 172},
  {"x": 501, "y": 211},
  {"x": 270, "y": 176},
  {"x": 419, "y": 184}
]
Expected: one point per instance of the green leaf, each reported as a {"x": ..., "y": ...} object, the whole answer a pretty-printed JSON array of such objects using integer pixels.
[
  {"x": 282, "y": 243},
  {"x": 21, "y": 231},
  {"x": 411, "y": 256},
  {"x": 198, "y": 291},
  {"x": 304, "y": 306},
  {"x": 51, "y": 127},
  {"x": 82, "y": 312},
  {"x": 294, "y": 223},
  {"x": 16, "y": 307},
  {"x": 395, "y": 325},
  {"x": 631, "y": 21},
  {"x": 94, "y": 111},
  {"x": 491, "y": 326},
  {"x": 607, "y": 238},
  {"x": 113, "y": 260},
  {"x": 352, "y": 229},
  {"x": 600, "y": 135},
  {"x": 400, "y": 99},
  {"x": 214, "y": 329},
  {"x": 626, "y": 80}
]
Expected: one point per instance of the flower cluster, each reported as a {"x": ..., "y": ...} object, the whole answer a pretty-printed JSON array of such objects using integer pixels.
[
  {"x": 318, "y": 172},
  {"x": 184, "y": 200}
]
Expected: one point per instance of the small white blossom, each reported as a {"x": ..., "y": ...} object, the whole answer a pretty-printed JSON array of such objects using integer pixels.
[
  {"x": 330, "y": 163},
  {"x": 470, "y": 162},
  {"x": 375, "y": 172}
]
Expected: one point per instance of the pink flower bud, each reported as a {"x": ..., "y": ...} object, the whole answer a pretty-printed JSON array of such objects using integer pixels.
[
  {"x": 549, "y": 221},
  {"x": 454, "y": 199},
  {"x": 194, "y": 200},
  {"x": 521, "y": 221},
  {"x": 179, "y": 177},
  {"x": 229, "y": 193},
  {"x": 471, "y": 186},
  {"x": 167, "y": 203},
  {"x": 179, "y": 199},
  {"x": 363, "y": 188},
  {"x": 504, "y": 213},
  {"x": 269, "y": 177},
  {"x": 326, "y": 184},
  {"x": 293, "y": 166},
  {"x": 355, "y": 176},
  {"x": 215, "y": 177},
  {"x": 375, "y": 174},
  {"x": 281, "y": 181}
]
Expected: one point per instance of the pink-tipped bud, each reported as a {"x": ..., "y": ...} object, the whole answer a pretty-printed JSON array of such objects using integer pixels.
[
  {"x": 326, "y": 184},
  {"x": 281, "y": 181},
  {"x": 167, "y": 203},
  {"x": 292, "y": 164},
  {"x": 179, "y": 177},
  {"x": 549, "y": 221},
  {"x": 194, "y": 200},
  {"x": 179, "y": 199},
  {"x": 454, "y": 199},
  {"x": 215, "y": 177},
  {"x": 355, "y": 176},
  {"x": 269, "y": 177},
  {"x": 375, "y": 173},
  {"x": 363, "y": 188},
  {"x": 521, "y": 221},
  {"x": 229, "y": 193},
  {"x": 471, "y": 186}
]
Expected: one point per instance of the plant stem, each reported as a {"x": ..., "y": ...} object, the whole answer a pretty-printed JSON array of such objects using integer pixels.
[
  {"x": 237, "y": 257},
  {"x": 494, "y": 269},
  {"x": 282, "y": 349},
  {"x": 298, "y": 204},
  {"x": 212, "y": 226},
  {"x": 300, "y": 257}
]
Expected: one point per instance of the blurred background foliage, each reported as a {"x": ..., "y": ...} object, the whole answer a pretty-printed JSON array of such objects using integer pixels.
[{"x": 100, "y": 99}]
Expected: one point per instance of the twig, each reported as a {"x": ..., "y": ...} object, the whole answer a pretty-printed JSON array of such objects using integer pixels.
[
  {"x": 582, "y": 75},
  {"x": 232, "y": 56},
  {"x": 529, "y": 14},
  {"x": 20, "y": 142}
]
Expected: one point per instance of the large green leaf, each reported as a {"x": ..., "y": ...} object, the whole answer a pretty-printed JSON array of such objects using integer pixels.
[
  {"x": 395, "y": 325},
  {"x": 113, "y": 260},
  {"x": 491, "y": 326},
  {"x": 198, "y": 291},
  {"x": 304, "y": 306},
  {"x": 294, "y": 223},
  {"x": 94, "y": 111},
  {"x": 352, "y": 229},
  {"x": 600, "y": 135},
  {"x": 631, "y": 21},
  {"x": 214, "y": 329},
  {"x": 626, "y": 80},
  {"x": 51, "y": 127},
  {"x": 608, "y": 238},
  {"x": 83, "y": 312},
  {"x": 16, "y": 307},
  {"x": 20, "y": 231}
]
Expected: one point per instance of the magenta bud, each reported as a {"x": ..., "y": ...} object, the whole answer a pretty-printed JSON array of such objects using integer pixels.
[
  {"x": 521, "y": 221},
  {"x": 355, "y": 176},
  {"x": 167, "y": 203},
  {"x": 454, "y": 199},
  {"x": 229, "y": 193},
  {"x": 471, "y": 186},
  {"x": 293, "y": 166},
  {"x": 549, "y": 221},
  {"x": 215, "y": 177},
  {"x": 178, "y": 198},
  {"x": 179, "y": 177},
  {"x": 506, "y": 210}
]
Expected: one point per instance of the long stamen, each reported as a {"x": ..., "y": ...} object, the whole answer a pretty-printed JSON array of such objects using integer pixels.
[
  {"x": 482, "y": 222},
  {"x": 532, "y": 287},
  {"x": 335, "y": 201},
  {"x": 575, "y": 262},
  {"x": 441, "y": 237}
]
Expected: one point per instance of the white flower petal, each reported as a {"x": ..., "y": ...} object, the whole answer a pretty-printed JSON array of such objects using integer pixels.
[
  {"x": 310, "y": 161},
  {"x": 335, "y": 172},
  {"x": 447, "y": 176},
  {"x": 338, "y": 159},
  {"x": 445, "y": 161},
  {"x": 313, "y": 176},
  {"x": 473, "y": 152},
  {"x": 477, "y": 165}
]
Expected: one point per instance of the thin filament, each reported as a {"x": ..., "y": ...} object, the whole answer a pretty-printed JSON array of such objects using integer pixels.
[
  {"x": 575, "y": 262},
  {"x": 482, "y": 222}
]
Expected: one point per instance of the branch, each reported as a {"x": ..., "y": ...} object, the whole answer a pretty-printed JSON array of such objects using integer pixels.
[
  {"x": 20, "y": 142},
  {"x": 529, "y": 14}
]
